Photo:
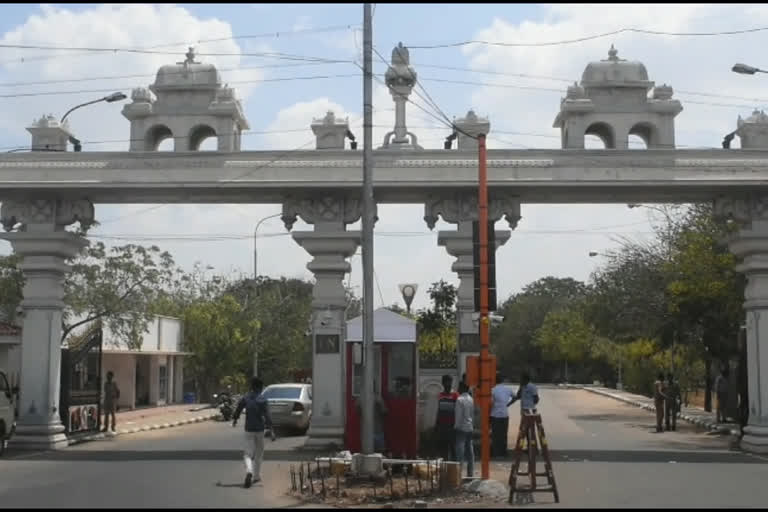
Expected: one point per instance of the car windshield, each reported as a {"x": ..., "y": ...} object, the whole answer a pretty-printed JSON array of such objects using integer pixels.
[{"x": 282, "y": 393}]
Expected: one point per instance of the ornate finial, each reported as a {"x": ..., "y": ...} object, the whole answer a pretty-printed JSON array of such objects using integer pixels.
[
  {"x": 190, "y": 56},
  {"x": 400, "y": 55},
  {"x": 613, "y": 54}
]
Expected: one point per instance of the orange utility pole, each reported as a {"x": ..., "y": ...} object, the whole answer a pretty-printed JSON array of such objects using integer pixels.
[{"x": 485, "y": 374}]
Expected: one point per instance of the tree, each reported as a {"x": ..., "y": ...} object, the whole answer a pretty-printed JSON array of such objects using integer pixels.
[
  {"x": 437, "y": 327},
  {"x": 565, "y": 337},
  {"x": 218, "y": 341},
  {"x": 11, "y": 287},
  {"x": 117, "y": 285},
  {"x": 524, "y": 313}
]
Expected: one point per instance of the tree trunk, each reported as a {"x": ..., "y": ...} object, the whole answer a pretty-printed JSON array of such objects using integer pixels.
[{"x": 708, "y": 384}]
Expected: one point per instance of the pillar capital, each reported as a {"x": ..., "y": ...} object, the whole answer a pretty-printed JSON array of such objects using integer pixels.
[
  {"x": 328, "y": 212},
  {"x": 46, "y": 214},
  {"x": 462, "y": 206}
]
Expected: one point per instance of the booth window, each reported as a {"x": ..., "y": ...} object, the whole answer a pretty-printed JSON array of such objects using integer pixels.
[{"x": 400, "y": 370}]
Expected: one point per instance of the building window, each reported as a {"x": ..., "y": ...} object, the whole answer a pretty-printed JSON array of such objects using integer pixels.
[
  {"x": 400, "y": 370},
  {"x": 163, "y": 383}
]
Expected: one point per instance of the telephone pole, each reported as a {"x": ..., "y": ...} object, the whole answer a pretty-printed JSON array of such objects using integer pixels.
[{"x": 367, "y": 398}]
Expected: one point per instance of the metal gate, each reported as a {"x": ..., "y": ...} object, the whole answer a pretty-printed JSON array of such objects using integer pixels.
[{"x": 81, "y": 382}]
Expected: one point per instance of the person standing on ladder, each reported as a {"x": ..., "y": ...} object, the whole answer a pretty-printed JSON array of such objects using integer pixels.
[{"x": 527, "y": 394}]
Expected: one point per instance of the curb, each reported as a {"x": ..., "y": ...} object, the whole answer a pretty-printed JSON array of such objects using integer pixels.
[
  {"x": 708, "y": 425},
  {"x": 145, "y": 428}
]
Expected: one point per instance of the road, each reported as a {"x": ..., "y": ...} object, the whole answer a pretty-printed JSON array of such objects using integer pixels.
[
  {"x": 606, "y": 454},
  {"x": 198, "y": 465}
]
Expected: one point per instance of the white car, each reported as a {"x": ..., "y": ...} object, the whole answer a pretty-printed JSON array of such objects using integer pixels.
[{"x": 7, "y": 412}]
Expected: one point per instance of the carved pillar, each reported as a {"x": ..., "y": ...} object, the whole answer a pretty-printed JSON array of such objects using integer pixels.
[
  {"x": 44, "y": 246},
  {"x": 330, "y": 244},
  {"x": 750, "y": 244},
  {"x": 461, "y": 209}
]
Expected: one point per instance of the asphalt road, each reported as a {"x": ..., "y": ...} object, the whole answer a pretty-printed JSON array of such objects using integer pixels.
[
  {"x": 195, "y": 466},
  {"x": 605, "y": 454}
]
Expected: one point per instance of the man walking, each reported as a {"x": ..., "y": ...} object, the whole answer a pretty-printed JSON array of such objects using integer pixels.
[
  {"x": 446, "y": 418},
  {"x": 672, "y": 402},
  {"x": 502, "y": 398},
  {"x": 257, "y": 419},
  {"x": 659, "y": 396},
  {"x": 465, "y": 411},
  {"x": 111, "y": 395}
]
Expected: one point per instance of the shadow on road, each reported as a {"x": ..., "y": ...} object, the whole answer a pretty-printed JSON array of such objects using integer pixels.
[
  {"x": 647, "y": 456},
  {"x": 156, "y": 455}
]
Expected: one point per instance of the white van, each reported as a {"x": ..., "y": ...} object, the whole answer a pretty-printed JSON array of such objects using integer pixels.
[{"x": 7, "y": 412}]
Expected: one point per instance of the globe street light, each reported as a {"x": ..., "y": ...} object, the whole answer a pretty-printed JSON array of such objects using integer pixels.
[
  {"x": 115, "y": 96},
  {"x": 409, "y": 292}
]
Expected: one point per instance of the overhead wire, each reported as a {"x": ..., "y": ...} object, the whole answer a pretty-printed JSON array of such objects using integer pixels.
[{"x": 587, "y": 38}]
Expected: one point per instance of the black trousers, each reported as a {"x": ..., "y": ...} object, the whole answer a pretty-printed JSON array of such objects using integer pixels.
[
  {"x": 446, "y": 442},
  {"x": 499, "y": 429}
]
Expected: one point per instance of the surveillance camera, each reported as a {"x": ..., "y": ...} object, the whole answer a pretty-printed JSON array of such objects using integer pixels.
[
  {"x": 20, "y": 311},
  {"x": 493, "y": 317}
]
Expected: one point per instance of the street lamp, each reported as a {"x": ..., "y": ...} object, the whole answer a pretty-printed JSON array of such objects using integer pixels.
[
  {"x": 744, "y": 69},
  {"x": 255, "y": 233},
  {"x": 115, "y": 96},
  {"x": 409, "y": 292}
]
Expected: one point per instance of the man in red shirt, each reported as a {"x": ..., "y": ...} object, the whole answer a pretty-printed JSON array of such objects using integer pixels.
[{"x": 444, "y": 425}]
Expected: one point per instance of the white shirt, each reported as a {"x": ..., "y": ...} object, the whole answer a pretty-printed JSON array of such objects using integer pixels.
[
  {"x": 465, "y": 411},
  {"x": 502, "y": 394}
]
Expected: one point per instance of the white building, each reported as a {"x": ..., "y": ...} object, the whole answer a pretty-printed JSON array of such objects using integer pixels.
[{"x": 152, "y": 375}]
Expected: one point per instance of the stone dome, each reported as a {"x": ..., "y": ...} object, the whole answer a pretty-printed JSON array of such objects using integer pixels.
[
  {"x": 187, "y": 75},
  {"x": 615, "y": 72}
]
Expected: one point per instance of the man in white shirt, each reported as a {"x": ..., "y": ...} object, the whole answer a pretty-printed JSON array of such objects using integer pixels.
[
  {"x": 502, "y": 398},
  {"x": 464, "y": 424}
]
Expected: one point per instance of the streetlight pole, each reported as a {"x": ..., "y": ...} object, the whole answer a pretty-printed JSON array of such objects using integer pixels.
[
  {"x": 367, "y": 235},
  {"x": 115, "y": 96},
  {"x": 255, "y": 235}
]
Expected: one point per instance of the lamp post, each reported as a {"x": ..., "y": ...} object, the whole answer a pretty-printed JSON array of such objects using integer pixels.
[
  {"x": 745, "y": 69},
  {"x": 409, "y": 292},
  {"x": 620, "y": 383},
  {"x": 115, "y": 96},
  {"x": 255, "y": 234}
]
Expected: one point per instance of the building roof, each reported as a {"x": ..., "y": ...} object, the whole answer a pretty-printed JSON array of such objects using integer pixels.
[
  {"x": 388, "y": 327},
  {"x": 187, "y": 75},
  {"x": 615, "y": 72}
]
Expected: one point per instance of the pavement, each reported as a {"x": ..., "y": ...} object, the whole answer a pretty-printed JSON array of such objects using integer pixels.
[
  {"x": 605, "y": 454},
  {"x": 695, "y": 415},
  {"x": 152, "y": 418}
]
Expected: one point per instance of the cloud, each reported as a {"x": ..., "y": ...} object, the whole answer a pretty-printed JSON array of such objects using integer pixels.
[{"x": 165, "y": 28}]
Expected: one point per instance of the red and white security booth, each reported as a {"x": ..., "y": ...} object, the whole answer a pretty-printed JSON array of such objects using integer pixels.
[{"x": 395, "y": 382}]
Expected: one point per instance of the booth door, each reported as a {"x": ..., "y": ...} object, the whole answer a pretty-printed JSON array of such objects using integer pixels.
[
  {"x": 399, "y": 393},
  {"x": 354, "y": 388}
]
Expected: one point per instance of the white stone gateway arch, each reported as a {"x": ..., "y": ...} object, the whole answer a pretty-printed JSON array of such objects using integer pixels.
[{"x": 43, "y": 192}]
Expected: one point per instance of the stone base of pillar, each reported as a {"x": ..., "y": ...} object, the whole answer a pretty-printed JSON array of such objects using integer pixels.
[
  {"x": 755, "y": 439},
  {"x": 325, "y": 438},
  {"x": 39, "y": 437}
]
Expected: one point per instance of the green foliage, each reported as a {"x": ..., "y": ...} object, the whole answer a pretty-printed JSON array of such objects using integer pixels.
[
  {"x": 437, "y": 328},
  {"x": 116, "y": 285},
  {"x": 437, "y": 349},
  {"x": 11, "y": 287}
]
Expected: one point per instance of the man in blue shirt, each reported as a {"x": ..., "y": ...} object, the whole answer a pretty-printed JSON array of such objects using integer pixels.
[
  {"x": 257, "y": 419},
  {"x": 527, "y": 394},
  {"x": 502, "y": 398}
]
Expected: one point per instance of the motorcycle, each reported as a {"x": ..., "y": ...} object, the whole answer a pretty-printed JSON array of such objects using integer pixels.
[{"x": 224, "y": 401}]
